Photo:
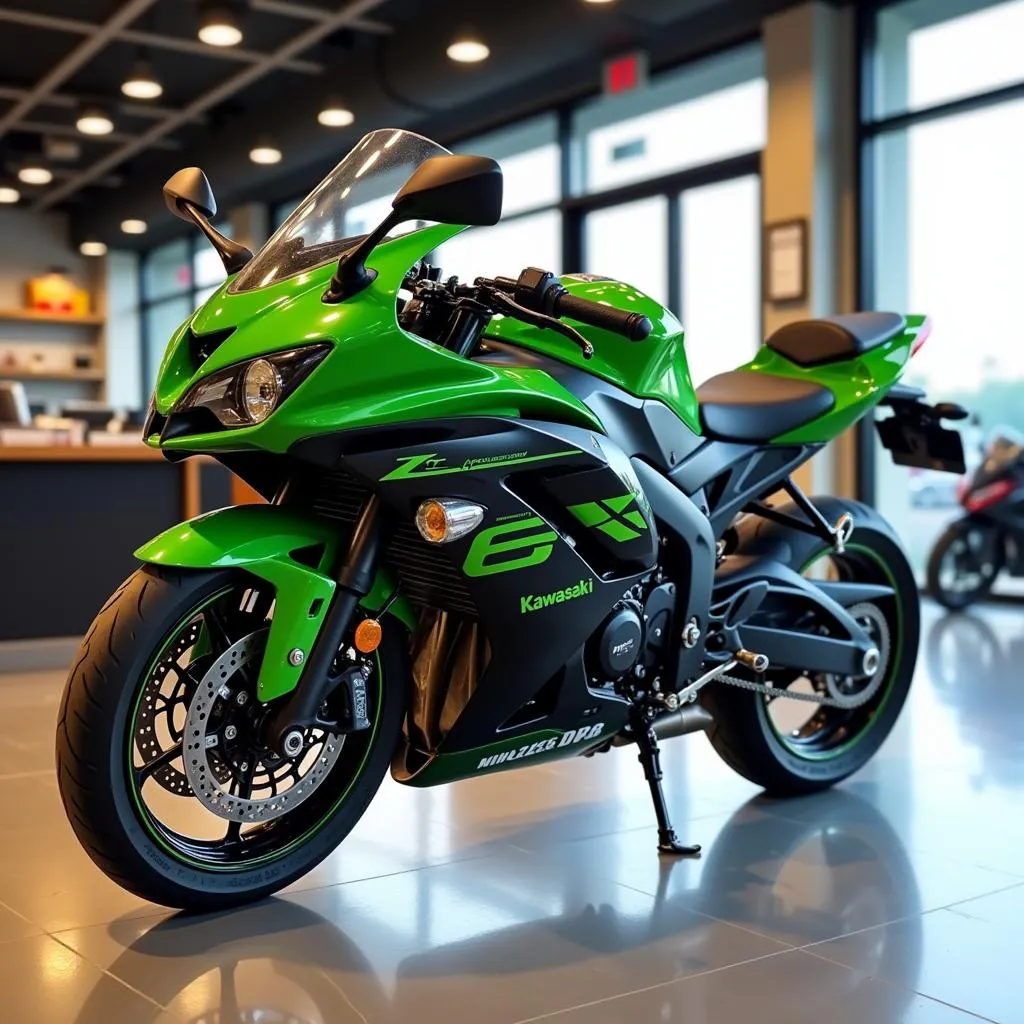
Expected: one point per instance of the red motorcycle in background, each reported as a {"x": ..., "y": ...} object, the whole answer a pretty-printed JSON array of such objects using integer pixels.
[{"x": 989, "y": 537}]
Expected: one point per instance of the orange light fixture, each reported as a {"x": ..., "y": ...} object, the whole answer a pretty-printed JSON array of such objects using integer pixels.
[
  {"x": 368, "y": 636},
  {"x": 441, "y": 520}
]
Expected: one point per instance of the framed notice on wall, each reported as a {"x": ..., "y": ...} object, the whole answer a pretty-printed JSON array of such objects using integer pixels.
[{"x": 785, "y": 261}]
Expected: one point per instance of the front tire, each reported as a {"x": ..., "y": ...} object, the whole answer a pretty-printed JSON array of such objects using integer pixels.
[
  {"x": 130, "y": 647},
  {"x": 745, "y": 734}
]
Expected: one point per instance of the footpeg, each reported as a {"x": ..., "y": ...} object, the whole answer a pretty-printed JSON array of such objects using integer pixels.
[{"x": 750, "y": 659}]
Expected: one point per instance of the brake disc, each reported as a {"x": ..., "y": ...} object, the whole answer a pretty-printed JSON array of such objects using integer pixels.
[
  {"x": 282, "y": 784},
  {"x": 157, "y": 702}
]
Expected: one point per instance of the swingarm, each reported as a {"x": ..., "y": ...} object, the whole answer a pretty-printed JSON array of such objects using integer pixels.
[{"x": 795, "y": 623}]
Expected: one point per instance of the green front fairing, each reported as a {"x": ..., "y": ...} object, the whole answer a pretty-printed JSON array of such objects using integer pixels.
[
  {"x": 263, "y": 540},
  {"x": 857, "y": 384},
  {"x": 375, "y": 374},
  {"x": 655, "y": 368}
]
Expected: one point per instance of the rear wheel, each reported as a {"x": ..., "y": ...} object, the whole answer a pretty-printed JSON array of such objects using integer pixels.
[
  {"x": 789, "y": 746},
  {"x": 162, "y": 763},
  {"x": 964, "y": 564}
]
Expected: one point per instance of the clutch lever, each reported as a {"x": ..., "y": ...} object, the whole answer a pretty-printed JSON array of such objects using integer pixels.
[{"x": 503, "y": 303}]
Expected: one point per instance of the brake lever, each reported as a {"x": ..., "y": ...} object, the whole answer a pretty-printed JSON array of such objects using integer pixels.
[{"x": 503, "y": 303}]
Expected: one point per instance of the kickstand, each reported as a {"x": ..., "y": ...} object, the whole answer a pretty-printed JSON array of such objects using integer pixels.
[{"x": 650, "y": 758}]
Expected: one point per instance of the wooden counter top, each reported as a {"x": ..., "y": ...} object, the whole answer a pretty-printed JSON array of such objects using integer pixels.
[{"x": 79, "y": 453}]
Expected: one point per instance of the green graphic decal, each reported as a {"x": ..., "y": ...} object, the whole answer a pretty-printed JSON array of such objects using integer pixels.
[
  {"x": 433, "y": 465},
  {"x": 612, "y": 516},
  {"x": 510, "y": 546},
  {"x": 535, "y": 602}
]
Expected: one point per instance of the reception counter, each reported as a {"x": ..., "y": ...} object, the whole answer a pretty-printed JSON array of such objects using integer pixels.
[{"x": 70, "y": 518}]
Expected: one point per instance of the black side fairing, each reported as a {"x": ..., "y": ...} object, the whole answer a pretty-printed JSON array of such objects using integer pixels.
[{"x": 567, "y": 530}]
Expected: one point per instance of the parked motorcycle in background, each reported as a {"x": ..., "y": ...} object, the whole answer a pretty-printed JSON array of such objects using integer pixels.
[{"x": 989, "y": 537}]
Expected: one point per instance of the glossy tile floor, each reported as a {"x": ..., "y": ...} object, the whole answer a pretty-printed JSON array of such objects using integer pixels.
[{"x": 537, "y": 895}]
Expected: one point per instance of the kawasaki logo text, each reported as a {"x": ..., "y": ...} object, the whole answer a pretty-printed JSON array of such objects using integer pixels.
[{"x": 535, "y": 602}]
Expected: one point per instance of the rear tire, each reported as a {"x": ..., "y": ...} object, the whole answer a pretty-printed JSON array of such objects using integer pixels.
[
  {"x": 94, "y": 744},
  {"x": 744, "y": 735},
  {"x": 957, "y": 533}
]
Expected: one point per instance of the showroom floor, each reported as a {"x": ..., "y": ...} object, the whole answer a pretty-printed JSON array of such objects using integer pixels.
[{"x": 538, "y": 894}]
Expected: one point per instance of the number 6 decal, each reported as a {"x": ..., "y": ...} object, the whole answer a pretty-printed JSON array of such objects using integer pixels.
[{"x": 510, "y": 546}]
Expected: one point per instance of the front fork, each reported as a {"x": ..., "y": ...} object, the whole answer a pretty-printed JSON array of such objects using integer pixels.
[{"x": 355, "y": 578}]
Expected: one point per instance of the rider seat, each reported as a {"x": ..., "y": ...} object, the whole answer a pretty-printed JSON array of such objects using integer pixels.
[
  {"x": 834, "y": 338},
  {"x": 744, "y": 405}
]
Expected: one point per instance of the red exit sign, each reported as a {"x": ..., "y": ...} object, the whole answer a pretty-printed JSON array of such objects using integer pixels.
[{"x": 625, "y": 73}]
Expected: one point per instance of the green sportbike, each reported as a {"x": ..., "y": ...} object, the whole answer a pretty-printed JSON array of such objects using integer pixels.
[{"x": 501, "y": 527}]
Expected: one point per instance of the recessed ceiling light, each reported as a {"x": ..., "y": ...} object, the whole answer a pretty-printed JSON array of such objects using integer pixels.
[
  {"x": 8, "y": 194},
  {"x": 133, "y": 226},
  {"x": 94, "y": 121},
  {"x": 35, "y": 174},
  {"x": 93, "y": 248},
  {"x": 469, "y": 49},
  {"x": 220, "y": 24},
  {"x": 265, "y": 153},
  {"x": 335, "y": 115},
  {"x": 142, "y": 84}
]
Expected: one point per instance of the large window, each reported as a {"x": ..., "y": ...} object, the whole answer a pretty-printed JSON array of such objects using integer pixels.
[
  {"x": 945, "y": 159},
  {"x": 176, "y": 278}
]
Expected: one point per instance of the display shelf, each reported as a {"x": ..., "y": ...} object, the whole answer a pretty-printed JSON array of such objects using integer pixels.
[
  {"x": 42, "y": 317},
  {"x": 84, "y": 375}
]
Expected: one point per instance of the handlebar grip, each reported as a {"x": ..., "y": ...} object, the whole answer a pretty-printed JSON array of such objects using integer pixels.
[{"x": 634, "y": 326}]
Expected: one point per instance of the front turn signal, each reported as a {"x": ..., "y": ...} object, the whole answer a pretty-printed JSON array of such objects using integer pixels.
[
  {"x": 368, "y": 636},
  {"x": 441, "y": 520}
]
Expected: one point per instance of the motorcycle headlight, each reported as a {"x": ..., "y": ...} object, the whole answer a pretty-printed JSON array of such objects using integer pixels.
[{"x": 247, "y": 393}]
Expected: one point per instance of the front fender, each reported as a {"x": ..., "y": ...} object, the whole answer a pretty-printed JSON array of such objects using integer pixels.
[{"x": 264, "y": 541}]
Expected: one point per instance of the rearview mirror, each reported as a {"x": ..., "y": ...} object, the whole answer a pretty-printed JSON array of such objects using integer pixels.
[
  {"x": 447, "y": 189},
  {"x": 189, "y": 186},
  {"x": 452, "y": 190},
  {"x": 189, "y": 195}
]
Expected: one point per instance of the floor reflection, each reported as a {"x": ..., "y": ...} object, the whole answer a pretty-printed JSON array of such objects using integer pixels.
[
  {"x": 977, "y": 670},
  {"x": 310, "y": 958},
  {"x": 897, "y": 898}
]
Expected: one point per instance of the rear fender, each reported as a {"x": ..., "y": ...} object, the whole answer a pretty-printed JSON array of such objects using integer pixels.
[{"x": 264, "y": 541}]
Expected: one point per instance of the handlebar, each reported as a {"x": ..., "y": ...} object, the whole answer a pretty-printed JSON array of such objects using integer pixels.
[{"x": 542, "y": 292}]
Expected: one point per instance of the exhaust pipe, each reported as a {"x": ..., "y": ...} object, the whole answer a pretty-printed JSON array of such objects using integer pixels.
[
  {"x": 688, "y": 719},
  {"x": 692, "y": 718}
]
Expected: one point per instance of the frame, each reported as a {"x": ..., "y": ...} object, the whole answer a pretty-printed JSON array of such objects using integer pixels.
[{"x": 785, "y": 261}]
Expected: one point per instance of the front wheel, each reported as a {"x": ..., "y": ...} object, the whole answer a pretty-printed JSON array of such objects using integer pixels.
[
  {"x": 964, "y": 564},
  {"x": 161, "y": 762},
  {"x": 791, "y": 747}
]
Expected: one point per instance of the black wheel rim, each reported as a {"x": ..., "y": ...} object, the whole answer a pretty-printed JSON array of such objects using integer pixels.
[{"x": 163, "y": 799}]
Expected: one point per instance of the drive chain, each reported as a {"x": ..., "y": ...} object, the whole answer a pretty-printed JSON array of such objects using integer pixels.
[{"x": 812, "y": 698}]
